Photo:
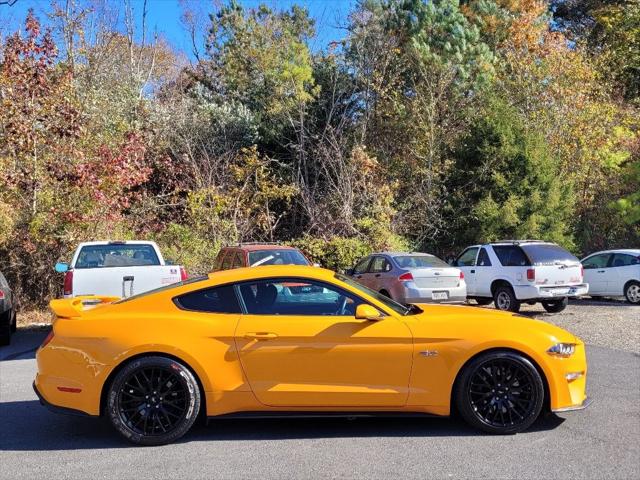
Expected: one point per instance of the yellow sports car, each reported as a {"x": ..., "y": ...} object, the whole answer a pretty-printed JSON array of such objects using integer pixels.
[{"x": 282, "y": 340}]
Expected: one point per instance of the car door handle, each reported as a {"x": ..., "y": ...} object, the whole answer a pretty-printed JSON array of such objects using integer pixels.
[
  {"x": 377, "y": 275},
  {"x": 472, "y": 271},
  {"x": 601, "y": 271},
  {"x": 261, "y": 335}
]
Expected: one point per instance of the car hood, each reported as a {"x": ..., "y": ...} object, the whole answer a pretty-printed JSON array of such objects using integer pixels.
[{"x": 461, "y": 321}]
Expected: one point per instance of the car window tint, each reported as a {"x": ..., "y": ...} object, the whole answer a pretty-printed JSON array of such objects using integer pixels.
[
  {"x": 116, "y": 255},
  {"x": 468, "y": 257},
  {"x": 596, "y": 261},
  {"x": 624, "y": 260},
  {"x": 419, "y": 261},
  {"x": 237, "y": 260},
  {"x": 280, "y": 256},
  {"x": 379, "y": 264},
  {"x": 511, "y": 256},
  {"x": 226, "y": 261},
  {"x": 548, "y": 254},
  {"x": 361, "y": 266},
  {"x": 211, "y": 300},
  {"x": 483, "y": 258},
  {"x": 295, "y": 296}
]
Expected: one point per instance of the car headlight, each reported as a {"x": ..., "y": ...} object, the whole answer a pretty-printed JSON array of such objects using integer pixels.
[{"x": 562, "y": 349}]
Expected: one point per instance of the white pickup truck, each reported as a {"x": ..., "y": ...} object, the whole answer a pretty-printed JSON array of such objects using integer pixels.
[{"x": 117, "y": 269}]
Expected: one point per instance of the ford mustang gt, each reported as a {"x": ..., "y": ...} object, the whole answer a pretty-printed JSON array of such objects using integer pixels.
[{"x": 282, "y": 340}]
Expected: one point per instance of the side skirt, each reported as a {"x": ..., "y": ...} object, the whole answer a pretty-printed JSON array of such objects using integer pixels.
[{"x": 302, "y": 415}]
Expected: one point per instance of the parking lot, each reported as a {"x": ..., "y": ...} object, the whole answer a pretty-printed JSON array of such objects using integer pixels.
[{"x": 600, "y": 442}]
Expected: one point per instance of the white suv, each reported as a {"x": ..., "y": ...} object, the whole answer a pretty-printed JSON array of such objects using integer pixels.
[{"x": 510, "y": 272}]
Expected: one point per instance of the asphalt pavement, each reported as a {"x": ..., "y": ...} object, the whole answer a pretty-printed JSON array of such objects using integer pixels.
[{"x": 600, "y": 442}]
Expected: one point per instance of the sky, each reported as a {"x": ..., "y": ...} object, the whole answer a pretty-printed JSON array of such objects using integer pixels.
[{"x": 164, "y": 16}]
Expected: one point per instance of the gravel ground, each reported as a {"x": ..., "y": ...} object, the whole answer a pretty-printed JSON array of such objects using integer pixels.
[{"x": 605, "y": 323}]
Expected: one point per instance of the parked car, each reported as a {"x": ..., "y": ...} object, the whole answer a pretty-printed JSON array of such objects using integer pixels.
[
  {"x": 238, "y": 343},
  {"x": 256, "y": 254},
  {"x": 411, "y": 277},
  {"x": 614, "y": 273},
  {"x": 7, "y": 311},
  {"x": 118, "y": 269},
  {"x": 510, "y": 272}
]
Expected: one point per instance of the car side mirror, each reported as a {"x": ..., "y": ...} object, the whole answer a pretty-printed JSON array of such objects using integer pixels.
[
  {"x": 61, "y": 267},
  {"x": 368, "y": 312}
]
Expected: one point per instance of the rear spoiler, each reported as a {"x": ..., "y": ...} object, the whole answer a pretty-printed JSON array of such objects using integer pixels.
[{"x": 75, "y": 307}]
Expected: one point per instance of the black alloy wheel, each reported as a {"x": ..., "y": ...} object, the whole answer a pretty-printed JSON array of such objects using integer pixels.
[
  {"x": 500, "y": 392},
  {"x": 153, "y": 401}
]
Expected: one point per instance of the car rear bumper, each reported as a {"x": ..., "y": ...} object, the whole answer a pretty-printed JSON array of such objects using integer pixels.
[
  {"x": 56, "y": 408},
  {"x": 542, "y": 292},
  {"x": 425, "y": 295}
]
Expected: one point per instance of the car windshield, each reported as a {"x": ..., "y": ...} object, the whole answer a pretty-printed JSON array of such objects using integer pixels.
[
  {"x": 419, "y": 261},
  {"x": 189, "y": 281},
  {"x": 277, "y": 257},
  {"x": 116, "y": 255},
  {"x": 547, "y": 254},
  {"x": 395, "y": 306}
]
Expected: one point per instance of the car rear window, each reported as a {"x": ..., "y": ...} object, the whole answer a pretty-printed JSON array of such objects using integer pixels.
[
  {"x": 419, "y": 261},
  {"x": 548, "y": 254},
  {"x": 511, "y": 256},
  {"x": 116, "y": 255},
  {"x": 277, "y": 257}
]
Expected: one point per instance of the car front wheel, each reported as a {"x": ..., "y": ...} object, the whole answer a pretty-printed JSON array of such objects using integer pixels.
[
  {"x": 556, "y": 306},
  {"x": 153, "y": 401},
  {"x": 500, "y": 392},
  {"x": 505, "y": 299},
  {"x": 632, "y": 292}
]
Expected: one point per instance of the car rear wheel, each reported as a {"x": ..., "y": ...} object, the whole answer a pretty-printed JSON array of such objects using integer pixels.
[
  {"x": 500, "y": 392},
  {"x": 505, "y": 299},
  {"x": 14, "y": 325},
  {"x": 632, "y": 292},
  {"x": 153, "y": 401},
  {"x": 5, "y": 328},
  {"x": 556, "y": 306}
]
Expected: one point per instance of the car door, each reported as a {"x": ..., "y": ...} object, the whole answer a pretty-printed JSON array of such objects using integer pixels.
[
  {"x": 596, "y": 273},
  {"x": 377, "y": 275},
  {"x": 360, "y": 270},
  {"x": 623, "y": 267},
  {"x": 467, "y": 262},
  {"x": 307, "y": 349},
  {"x": 482, "y": 277}
]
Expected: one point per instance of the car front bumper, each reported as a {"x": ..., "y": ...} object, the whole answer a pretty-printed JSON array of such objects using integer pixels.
[{"x": 581, "y": 406}]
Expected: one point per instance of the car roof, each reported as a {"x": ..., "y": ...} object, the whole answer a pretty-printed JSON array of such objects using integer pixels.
[
  {"x": 399, "y": 254},
  {"x": 250, "y": 247},
  {"x": 266, "y": 271},
  {"x": 516, "y": 242},
  {"x": 632, "y": 251}
]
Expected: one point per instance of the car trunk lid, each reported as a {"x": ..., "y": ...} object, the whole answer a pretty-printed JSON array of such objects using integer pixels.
[{"x": 435, "y": 277}]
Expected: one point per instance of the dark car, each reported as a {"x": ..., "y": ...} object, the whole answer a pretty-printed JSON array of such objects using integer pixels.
[
  {"x": 256, "y": 254},
  {"x": 7, "y": 312}
]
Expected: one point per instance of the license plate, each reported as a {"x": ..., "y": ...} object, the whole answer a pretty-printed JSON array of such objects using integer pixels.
[
  {"x": 572, "y": 291},
  {"x": 440, "y": 295}
]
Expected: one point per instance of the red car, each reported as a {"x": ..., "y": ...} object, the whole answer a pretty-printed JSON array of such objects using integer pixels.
[{"x": 256, "y": 254}]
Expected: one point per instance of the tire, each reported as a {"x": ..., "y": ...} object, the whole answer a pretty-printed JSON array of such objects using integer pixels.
[
  {"x": 483, "y": 301},
  {"x": 556, "y": 306},
  {"x": 160, "y": 421},
  {"x": 5, "y": 329},
  {"x": 632, "y": 292},
  {"x": 493, "y": 375},
  {"x": 14, "y": 325},
  {"x": 504, "y": 299}
]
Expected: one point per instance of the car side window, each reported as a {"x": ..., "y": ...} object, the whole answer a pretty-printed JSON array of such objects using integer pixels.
[
  {"x": 624, "y": 260},
  {"x": 511, "y": 256},
  {"x": 596, "y": 261},
  {"x": 295, "y": 296},
  {"x": 226, "y": 261},
  {"x": 211, "y": 300},
  {"x": 379, "y": 265},
  {"x": 237, "y": 260},
  {"x": 361, "y": 266},
  {"x": 467, "y": 258},
  {"x": 483, "y": 258}
]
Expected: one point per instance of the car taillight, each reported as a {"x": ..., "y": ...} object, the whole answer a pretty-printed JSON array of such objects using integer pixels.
[
  {"x": 183, "y": 274},
  {"x": 1, "y": 294},
  {"x": 461, "y": 275},
  {"x": 531, "y": 274},
  {"x": 405, "y": 277},
  {"x": 581, "y": 271},
  {"x": 47, "y": 339},
  {"x": 68, "y": 283}
]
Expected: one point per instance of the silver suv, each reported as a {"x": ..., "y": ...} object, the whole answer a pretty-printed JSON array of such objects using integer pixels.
[{"x": 510, "y": 272}]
